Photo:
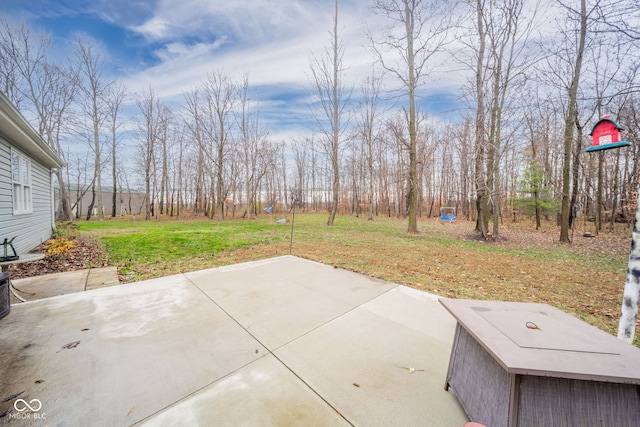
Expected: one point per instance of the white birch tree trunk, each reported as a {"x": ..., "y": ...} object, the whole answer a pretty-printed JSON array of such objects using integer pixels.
[{"x": 627, "y": 327}]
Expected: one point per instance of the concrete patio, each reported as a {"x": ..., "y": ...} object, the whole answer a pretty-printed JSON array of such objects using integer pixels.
[
  {"x": 283, "y": 341},
  {"x": 56, "y": 284}
]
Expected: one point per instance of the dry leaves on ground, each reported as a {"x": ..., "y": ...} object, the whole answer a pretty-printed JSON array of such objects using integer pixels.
[{"x": 83, "y": 254}]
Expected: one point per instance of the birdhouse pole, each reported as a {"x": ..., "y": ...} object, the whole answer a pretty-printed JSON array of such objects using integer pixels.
[{"x": 606, "y": 135}]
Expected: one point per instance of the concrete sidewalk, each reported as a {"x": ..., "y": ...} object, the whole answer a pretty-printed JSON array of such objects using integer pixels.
[
  {"x": 284, "y": 341},
  {"x": 51, "y": 285}
]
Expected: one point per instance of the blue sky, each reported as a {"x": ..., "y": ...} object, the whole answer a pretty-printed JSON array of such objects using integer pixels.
[{"x": 171, "y": 45}]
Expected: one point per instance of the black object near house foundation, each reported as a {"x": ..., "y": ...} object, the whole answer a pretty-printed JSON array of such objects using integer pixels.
[
  {"x": 8, "y": 244},
  {"x": 5, "y": 300}
]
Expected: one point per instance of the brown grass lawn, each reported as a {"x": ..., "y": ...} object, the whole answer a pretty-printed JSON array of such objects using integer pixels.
[{"x": 585, "y": 278}]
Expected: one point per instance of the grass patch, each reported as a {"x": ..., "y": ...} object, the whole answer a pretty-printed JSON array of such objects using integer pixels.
[{"x": 150, "y": 249}]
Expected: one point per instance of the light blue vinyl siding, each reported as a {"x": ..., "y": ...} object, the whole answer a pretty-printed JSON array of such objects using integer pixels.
[{"x": 30, "y": 229}]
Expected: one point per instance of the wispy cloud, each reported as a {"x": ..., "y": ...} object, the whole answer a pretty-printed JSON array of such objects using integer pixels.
[
  {"x": 270, "y": 41},
  {"x": 244, "y": 21},
  {"x": 171, "y": 45},
  {"x": 183, "y": 51}
]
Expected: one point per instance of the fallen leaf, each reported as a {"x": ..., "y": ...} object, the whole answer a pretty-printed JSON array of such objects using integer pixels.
[{"x": 69, "y": 346}]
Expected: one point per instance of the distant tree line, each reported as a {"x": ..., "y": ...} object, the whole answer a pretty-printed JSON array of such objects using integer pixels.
[{"x": 539, "y": 75}]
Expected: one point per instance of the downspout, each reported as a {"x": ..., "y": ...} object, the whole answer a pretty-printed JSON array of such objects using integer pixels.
[{"x": 53, "y": 201}]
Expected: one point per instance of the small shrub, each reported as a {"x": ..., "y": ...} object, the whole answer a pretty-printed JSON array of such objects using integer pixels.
[
  {"x": 68, "y": 230},
  {"x": 58, "y": 247}
]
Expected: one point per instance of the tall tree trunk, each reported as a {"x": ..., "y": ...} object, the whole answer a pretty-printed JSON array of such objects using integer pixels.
[
  {"x": 179, "y": 201},
  {"x": 114, "y": 176},
  {"x": 575, "y": 167},
  {"x": 480, "y": 183},
  {"x": 65, "y": 214},
  {"x": 220, "y": 183},
  {"x": 370, "y": 168},
  {"x": 413, "y": 156},
  {"x": 147, "y": 197},
  {"x": 98, "y": 171},
  {"x": 164, "y": 175},
  {"x": 247, "y": 185},
  {"x": 327, "y": 72},
  {"x": 496, "y": 191},
  {"x": 335, "y": 161},
  {"x": 569, "y": 125},
  {"x": 93, "y": 200}
]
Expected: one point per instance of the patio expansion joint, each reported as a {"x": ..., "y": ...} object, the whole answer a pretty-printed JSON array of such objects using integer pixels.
[
  {"x": 336, "y": 317},
  {"x": 239, "y": 368},
  {"x": 271, "y": 351},
  {"x": 229, "y": 374},
  {"x": 313, "y": 390}
]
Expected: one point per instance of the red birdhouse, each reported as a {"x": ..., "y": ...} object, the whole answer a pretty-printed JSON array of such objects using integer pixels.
[{"x": 606, "y": 135}]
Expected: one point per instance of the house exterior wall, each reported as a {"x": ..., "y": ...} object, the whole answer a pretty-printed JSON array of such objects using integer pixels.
[{"x": 30, "y": 229}]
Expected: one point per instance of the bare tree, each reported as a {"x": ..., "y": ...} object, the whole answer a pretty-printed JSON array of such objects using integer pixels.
[
  {"x": 116, "y": 96},
  {"x": 508, "y": 31},
  {"x": 81, "y": 182},
  {"x": 49, "y": 89},
  {"x": 24, "y": 57},
  {"x": 194, "y": 123},
  {"x": 252, "y": 147},
  {"x": 620, "y": 17},
  {"x": 368, "y": 129},
  {"x": 570, "y": 119},
  {"x": 94, "y": 88},
  {"x": 482, "y": 191},
  {"x": 301, "y": 152},
  {"x": 424, "y": 28},
  {"x": 180, "y": 137},
  {"x": 163, "y": 139},
  {"x": 220, "y": 97},
  {"x": 330, "y": 113},
  {"x": 150, "y": 108},
  {"x": 462, "y": 140},
  {"x": 10, "y": 76}
]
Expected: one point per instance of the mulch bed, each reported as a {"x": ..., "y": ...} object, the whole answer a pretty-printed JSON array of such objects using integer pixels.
[{"x": 83, "y": 255}]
